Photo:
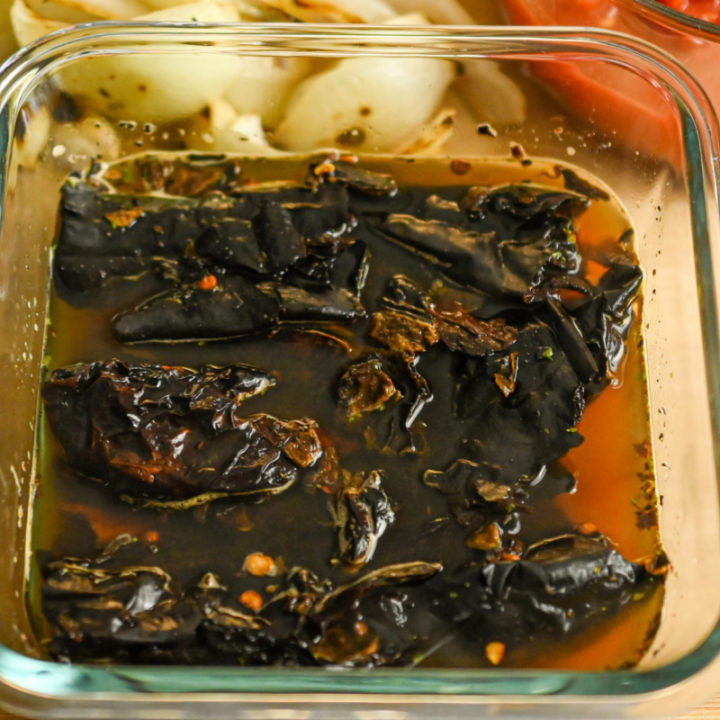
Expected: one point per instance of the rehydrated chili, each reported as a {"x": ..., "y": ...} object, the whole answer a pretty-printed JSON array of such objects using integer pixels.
[{"x": 175, "y": 436}]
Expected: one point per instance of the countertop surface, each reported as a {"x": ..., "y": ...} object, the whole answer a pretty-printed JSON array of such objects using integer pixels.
[{"x": 710, "y": 711}]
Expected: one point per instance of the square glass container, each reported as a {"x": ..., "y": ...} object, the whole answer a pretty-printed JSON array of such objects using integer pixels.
[{"x": 668, "y": 188}]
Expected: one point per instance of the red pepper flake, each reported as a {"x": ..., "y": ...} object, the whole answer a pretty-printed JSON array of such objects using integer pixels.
[
  {"x": 209, "y": 282},
  {"x": 152, "y": 536},
  {"x": 505, "y": 380},
  {"x": 494, "y": 652},
  {"x": 324, "y": 168},
  {"x": 259, "y": 564},
  {"x": 124, "y": 218},
  {"x": 587, "y": 528},
  {"x": 353, "y": 159},
  {"x": 510, "y": 557},
  {"x": 251, "y": 600},
  {"x": 486, "y": 538}
]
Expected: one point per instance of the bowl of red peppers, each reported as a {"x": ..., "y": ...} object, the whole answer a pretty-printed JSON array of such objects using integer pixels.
[
  {"x": 708, "y": 10},
  {"x": 687, "y": 29}
]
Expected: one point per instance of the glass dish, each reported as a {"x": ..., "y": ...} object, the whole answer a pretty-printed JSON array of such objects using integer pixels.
[{"x": 671, "y": 196}]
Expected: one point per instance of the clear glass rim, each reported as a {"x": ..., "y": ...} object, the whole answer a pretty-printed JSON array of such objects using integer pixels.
[{"x": 26, "y": 68}]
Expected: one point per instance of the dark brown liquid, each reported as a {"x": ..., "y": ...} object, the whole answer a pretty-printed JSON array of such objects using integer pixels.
[{"x": 74, "y": 517}]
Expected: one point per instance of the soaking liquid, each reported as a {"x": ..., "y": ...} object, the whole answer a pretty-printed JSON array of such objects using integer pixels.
[{"x": 615, "y": 496}]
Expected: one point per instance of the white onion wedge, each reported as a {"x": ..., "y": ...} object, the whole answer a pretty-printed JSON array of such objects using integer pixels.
[
  {"x": 8, "y": 44},
  {"x": 71, "y": 10},
  {"x": 346, "y": 11},
  {"x": 244, "y": 135},
  {"x": 28, "y": 26},
  {"x": 364, "y": 104},
  {"x": 92, "y": 137},
  {"x": 262, "y": 86},
  {"x": 248, "y": 10},
  {"x": 432, "y": 138},
  {"x": 222, "y": 130},
  {"x": 161, "y": 87},
  {"x": 491, "y": 95},
  {"x": 30, "y": 143},
  {"x": 53, "y": 10},
  {"x": 441, "y": 12},
  {"x": 411, "y": 18},
  {"x": 160, "y": 4}
]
